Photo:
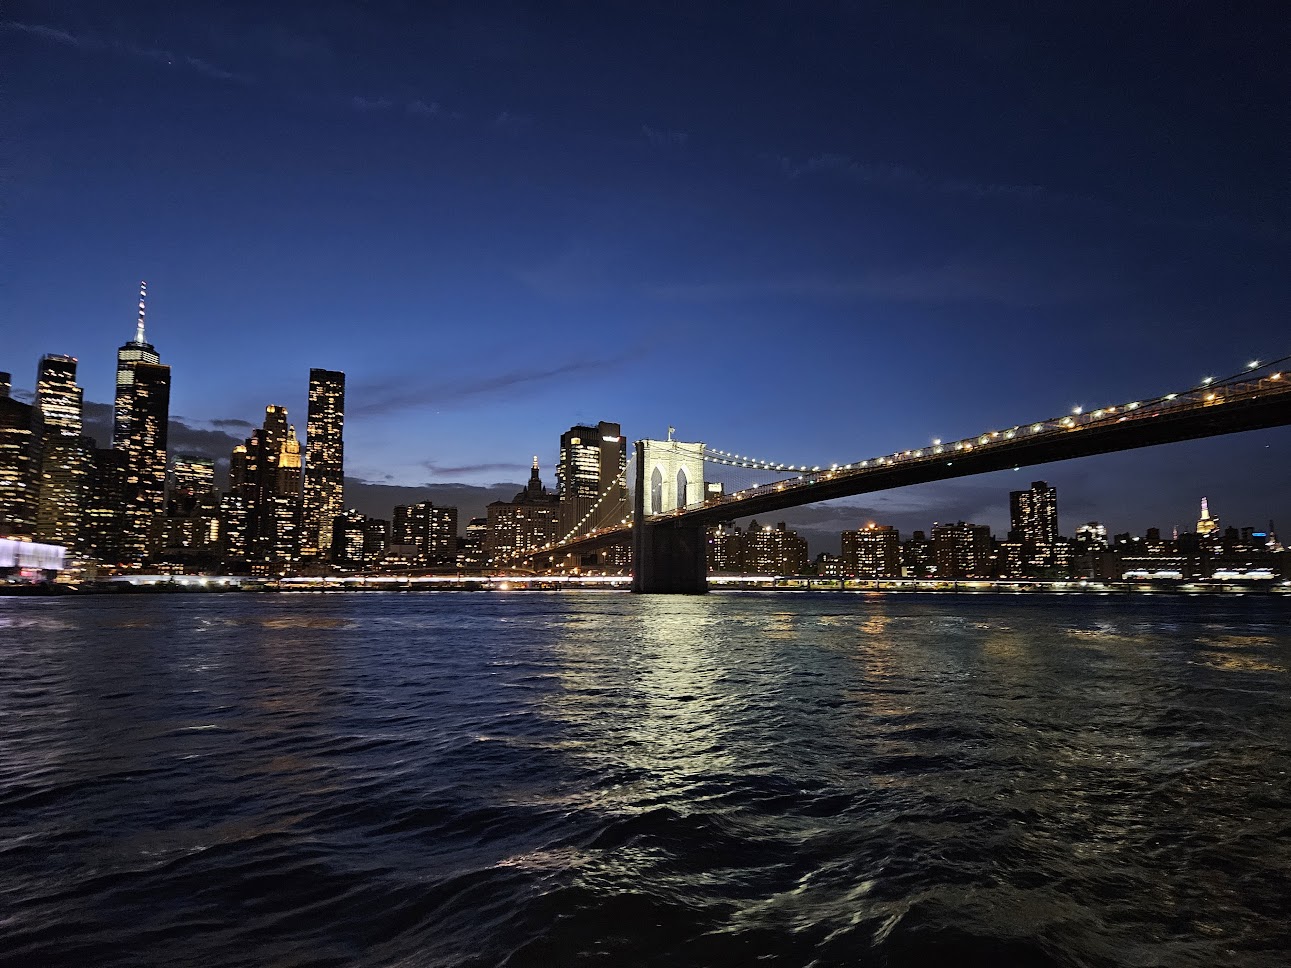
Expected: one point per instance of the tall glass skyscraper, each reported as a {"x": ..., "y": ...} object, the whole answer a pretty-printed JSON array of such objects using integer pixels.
[
  {"x": 64, "y": 461},
  {"x": 324, "y": 460},
  {"x": 145, "y": 484},
  {"x": 138, "y": 350}
]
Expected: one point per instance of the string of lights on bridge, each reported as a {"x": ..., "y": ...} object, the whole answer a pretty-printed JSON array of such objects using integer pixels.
[{"x": 1210, "y": 386}]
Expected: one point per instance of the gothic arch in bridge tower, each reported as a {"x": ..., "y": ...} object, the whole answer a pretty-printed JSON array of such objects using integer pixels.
[{"x": 672, "y": 472}]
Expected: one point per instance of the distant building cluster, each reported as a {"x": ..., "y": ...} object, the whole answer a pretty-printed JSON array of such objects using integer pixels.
[
  {"x": 134, "y": 506},
  {"x": 1033, "y": 549}
]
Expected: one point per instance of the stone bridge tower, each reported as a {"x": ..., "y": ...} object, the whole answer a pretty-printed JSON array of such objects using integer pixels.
[{"x": 668, "y": 557}]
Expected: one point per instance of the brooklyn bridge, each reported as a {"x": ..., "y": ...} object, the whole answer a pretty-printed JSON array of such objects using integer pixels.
[{"x": 673, "y": 504}]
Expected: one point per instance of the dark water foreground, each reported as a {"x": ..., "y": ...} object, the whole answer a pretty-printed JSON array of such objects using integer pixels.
[{"x": 602, "y": 779}]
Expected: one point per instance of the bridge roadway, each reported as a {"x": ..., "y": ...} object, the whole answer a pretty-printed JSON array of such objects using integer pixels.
[{"x": 1206, "y": 411}]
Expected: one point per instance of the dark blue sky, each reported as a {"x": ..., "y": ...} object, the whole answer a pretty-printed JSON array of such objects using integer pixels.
[{"x": 809, "y": 232}]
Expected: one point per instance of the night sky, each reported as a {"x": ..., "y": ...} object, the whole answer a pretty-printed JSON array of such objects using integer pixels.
[{"x": 807, "y": 232}]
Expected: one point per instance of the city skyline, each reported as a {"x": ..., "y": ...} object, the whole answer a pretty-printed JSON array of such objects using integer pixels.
[
  {"x": 820, "y": 522},
  {"x": 531, "y": 217}
]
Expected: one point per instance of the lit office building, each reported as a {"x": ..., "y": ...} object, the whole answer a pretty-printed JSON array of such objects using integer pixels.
[
  {"x": 1033, "y": 527},
  {"x": 425, "y": 533},
  {"x": 264, "y": 473},
  {"x": 349, "y": 534},
  {"x": 64, "y": 453},
  {"x": 591, "y": 478},
  {"x": 189, "y": 533},
  {"x": 191, "y": 479},
  {"x": 104, "y": 518},
  {"x": 17, "y": 474},
  {"x": 773, "y": 551},
  {"x": 529, "y": 521},
  {"x": 148, "y": 416},
  {"x": 873, "y": 551},
  {"x": 471, "y": 544},
  {"x": 1208, "y": 529},
  {"x": 324, "y": 460},
  {"x": 962, "y": 550},
  {"x": 917, "y": 557},
  {"x": 138, "y": 350}
]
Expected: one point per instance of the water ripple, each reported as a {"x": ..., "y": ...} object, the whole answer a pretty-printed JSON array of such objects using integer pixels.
[{"x": 601, "y": 779}]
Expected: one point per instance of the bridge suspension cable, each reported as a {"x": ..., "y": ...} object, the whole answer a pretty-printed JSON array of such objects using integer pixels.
[
  {"x": 751, "y": 463},
  {"x": 1209, "y": 392}
]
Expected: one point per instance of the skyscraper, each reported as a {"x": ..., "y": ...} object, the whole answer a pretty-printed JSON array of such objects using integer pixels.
[
  {"x": 264, "y": 474},
  {"x": 64, "y": 453},
  {"x": 324, "y": 460},
  {"x": 147, "y": 418},
  {"x": 17, "y": 476},
  {"x": 138, "y": 350},
  {"x": 1206, "y": 525},
  {"x": 1033, "y": 514},
  {"x": 591, "y": 478},
  {"x": 1033, "y": 531}
]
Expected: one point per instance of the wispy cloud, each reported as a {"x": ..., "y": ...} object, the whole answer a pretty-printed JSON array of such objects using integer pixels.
[
  {"x": 889, "y": 175},
  {"x": 395, "y": 395},
  {"x": 1001, "y": 282},
  {"x": 512, "y": 123},
  {"x": 156, "y": 55},
  {"x": 661, "y": 138},
  {"x": 443, "y": 470},
  {"x": 416, "y": 108}
]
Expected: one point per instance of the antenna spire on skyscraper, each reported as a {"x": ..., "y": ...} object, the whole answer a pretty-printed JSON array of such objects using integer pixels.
[{"x": 143, "y": 298}]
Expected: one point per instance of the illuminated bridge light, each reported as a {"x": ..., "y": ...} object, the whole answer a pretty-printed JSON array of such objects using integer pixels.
[
  {"x": 1171, "y": 396},
  {"x": 1254, "y": 364},
  {"x": 1077, "y": 410}
]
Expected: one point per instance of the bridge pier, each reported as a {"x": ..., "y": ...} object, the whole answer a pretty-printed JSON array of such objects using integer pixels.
[{"x": 669, "y": 559}]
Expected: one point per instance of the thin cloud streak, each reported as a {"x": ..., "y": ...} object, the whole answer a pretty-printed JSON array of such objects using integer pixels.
[
  {"x": 90, "y": 43},
  {"x": 956, "y": 282},
  {"x": 396, "y": 395},
  {"x": 888, "y": 175},
  {"x": 441, "y": 470}
]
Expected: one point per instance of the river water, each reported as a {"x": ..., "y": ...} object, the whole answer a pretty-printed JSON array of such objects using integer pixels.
[{"x": 548, "y": 779}]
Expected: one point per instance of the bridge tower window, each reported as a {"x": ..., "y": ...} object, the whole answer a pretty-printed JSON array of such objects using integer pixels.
[
  {"x": 656, "y": 492},
  {"x": 681, "y": 488}
]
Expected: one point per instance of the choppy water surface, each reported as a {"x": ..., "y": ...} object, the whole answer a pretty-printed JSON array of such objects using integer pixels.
[{"x": 603, "y": 779}]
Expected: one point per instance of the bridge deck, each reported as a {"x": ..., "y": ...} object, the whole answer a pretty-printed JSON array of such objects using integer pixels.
[
  {"x": 1202, "y": 412},
  {"x": 1205, "y": 411}
]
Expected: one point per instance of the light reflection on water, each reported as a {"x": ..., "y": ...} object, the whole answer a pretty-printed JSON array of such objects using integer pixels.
[{"x": 608, "y": 779}]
